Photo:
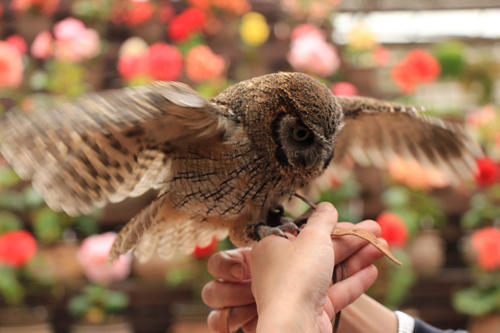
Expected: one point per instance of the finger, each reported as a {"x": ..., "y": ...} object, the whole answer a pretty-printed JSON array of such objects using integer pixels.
[
  {"x": 345, "y": 246},
  {"x": 238, "y": 317},
  {"x": 321, "y": 222},
  {"x": 218, "y": 294},
  {"x": 345, "y": 292},
  {"x": 230, "y": 265},
  {"x": 366, "y": 256},
  {"x": 251, "y": 326}
]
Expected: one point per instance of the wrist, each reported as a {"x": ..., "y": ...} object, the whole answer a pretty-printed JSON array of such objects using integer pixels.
[{"x": 285, "y": 316}]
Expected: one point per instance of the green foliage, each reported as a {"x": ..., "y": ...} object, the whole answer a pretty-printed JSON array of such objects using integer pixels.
[
  {"x": 98, "y": 297},
  {"x": 401, "y": 278},
  {"x": 414, "y": 206},
  {"x": 343, "y": 197},
  {"x": 11, "y": 289},
  {"x": 9, "y": 222},
  {"x": 483, "y": 209},
  {"x": 451, "y": 58},
  {"x": 65, "y": 78},
  {"x": 476, "y": 301},
  {"x": 8, "y": 177},
  {"x": 48, "y": 225}
]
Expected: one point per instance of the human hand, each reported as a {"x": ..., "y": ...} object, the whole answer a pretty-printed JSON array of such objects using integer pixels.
[{"x": 289, "y": 265}]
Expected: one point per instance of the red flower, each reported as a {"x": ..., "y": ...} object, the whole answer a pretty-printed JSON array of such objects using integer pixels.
[
  {"x": 419, "y": 66},
  {"x": 132, "y": 66},
  {"x": 18, "y": 43},
  {"x": 164, "y": 61},
  {"x": 188, "y": 22},
  {"x": 133, "y": 12},
  {"x": 1, "y": 10},
  {"x": 17, "y": 248},
  {"x": 47, "y": 7},
  {"x": 424, "y": 65},
  {"x": 487, "y": 172},
  {"x": 201, "y": 252},
  {"x": 486, "y": 243},
  {"x": 394, "y": 230}
]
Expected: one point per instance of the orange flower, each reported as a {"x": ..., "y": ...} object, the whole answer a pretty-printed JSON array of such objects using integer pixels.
[
  {"x": 415, "y": 175},
  {"x": 202, "y": 64},
  {"x": 132, "y": 12},
  {"x": 393, "y": 229},
  {"x": 11, "y": 66},
  {"x": 486, "y": 243}
]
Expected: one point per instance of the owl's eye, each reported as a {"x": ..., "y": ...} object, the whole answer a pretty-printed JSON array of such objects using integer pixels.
[{"x": 301, "y": 134}]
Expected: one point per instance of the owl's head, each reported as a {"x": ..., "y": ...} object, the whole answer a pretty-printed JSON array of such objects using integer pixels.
[{"x": 290, "y": 115}]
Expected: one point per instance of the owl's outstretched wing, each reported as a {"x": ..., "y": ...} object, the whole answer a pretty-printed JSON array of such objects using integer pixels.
[
  {"x": 375, "y": 132},
  {"x": 106, "y": 146}
]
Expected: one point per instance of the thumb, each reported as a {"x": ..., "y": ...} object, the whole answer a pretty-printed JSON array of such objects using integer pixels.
[{"x": 322, "y": 221}]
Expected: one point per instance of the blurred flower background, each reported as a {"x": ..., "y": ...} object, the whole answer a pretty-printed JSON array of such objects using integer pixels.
[{"x": 444, "y": 55}]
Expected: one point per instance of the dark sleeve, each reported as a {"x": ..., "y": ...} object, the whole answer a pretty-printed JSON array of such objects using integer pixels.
[{"x": 422, "y": 327}]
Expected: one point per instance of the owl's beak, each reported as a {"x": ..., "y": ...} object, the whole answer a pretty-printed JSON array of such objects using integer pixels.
[{"x": 328, "y": 159}]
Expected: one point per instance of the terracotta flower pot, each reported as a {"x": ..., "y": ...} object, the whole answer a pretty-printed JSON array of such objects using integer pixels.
[
  {"x": 115, "y": 327},
  {"x": 485, "y": 324},
  {"x": 24, "y": 319}
]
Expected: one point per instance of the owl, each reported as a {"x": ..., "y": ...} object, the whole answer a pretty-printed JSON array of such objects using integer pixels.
[{"x": 220, "y": 165}]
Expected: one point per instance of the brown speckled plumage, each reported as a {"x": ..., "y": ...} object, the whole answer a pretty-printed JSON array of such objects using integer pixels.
[{"x": 219, "y": 164}]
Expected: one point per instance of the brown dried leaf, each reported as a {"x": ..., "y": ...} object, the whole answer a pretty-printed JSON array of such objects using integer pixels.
[{"x": 366, "y": 235}]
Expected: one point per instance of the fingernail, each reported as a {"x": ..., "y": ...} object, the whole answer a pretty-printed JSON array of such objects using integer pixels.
[{"x": 237, "y": 271}]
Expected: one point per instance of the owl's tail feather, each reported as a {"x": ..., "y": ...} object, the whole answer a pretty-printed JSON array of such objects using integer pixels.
[{"x": 165, "y": 230}]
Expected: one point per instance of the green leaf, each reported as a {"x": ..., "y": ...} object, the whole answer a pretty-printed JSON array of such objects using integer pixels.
[
  {"x": 476, "y": 302},
  {"x": 47, "y": 225},
  {"x": 79, "y": 305},
  {"x": 400, "y": 281},
  {"x": 115, "y": 301},
  {"x": 194, "y": 40},
  {"x": 8, "y": 177},
  {"x": 9, "y": 222},
  {"x": 396, "y": 197},
  {"x": 11, "y": 290}
]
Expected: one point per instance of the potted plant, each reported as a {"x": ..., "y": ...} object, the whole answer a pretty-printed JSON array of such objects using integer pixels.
[
  {"x": 481, "y": 300},
  {"x": 97, "y": 308},
  {"x": 21, "y": 279}
]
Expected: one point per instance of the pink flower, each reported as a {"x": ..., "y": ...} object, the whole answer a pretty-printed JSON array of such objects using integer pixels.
[
  {"x": 11, "y": 66},
  {"x": 69, "y": 29},
  {"x": 74, "y": 42},
  {"x": 164, "y": 61},
  {"x": 481, "y": 117},
  {"x": 18, "y": 43},
  {"x": 344, "y": 89},
  {"x": 202, "y": 64},
  {"x": 311, "y": 53},
  {"x": 93, "y": 256},
  {"x": 381, "y": 56},
  {"x": 306, "y": 29},
  {"x": 42, "y": 46}
]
